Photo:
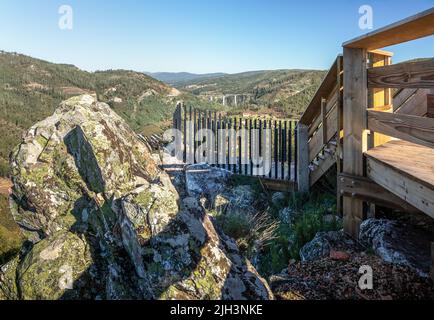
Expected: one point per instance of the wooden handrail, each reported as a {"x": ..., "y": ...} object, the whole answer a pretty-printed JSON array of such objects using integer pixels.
[
  {"x": 418, "y": 130},
  {"x": 418, "y": 74},
  {"x": 412, "y": 28},
  {"x": 313, "y": 109}
]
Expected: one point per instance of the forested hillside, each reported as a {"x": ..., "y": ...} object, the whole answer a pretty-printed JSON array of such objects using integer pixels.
[
  {"x": 284, "y": 92},
  {"x": 30, "y": 90}
]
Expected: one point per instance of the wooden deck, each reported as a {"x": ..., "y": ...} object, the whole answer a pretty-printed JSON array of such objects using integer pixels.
[{"x": 405, "y": 169}]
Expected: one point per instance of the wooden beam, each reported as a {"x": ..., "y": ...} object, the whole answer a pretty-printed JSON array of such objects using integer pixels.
[
  {"x": 331, "y": 102},
  {"x": 412, "y": 28},
  {"x": 302, "y": 158},
  {"x": 378, "y": 98},
  {"x": 354, "y": 121},
  {"x": 418, "y": 194},
  {"x": 416, "y": 105},
  {"x": 324, "y": 120},
  {"x": 414, "y": 129},
  {"x": 419, "y": 74},
  {"x": 402, "y": 96},
  {"x": 365, "y": 189},
  {"x": 316, "y": 143},
  {"x": 327, "y": 85},
  {"x": 430, "y": 106},
  {"x": 278, "y": 185},
  {"x": 323, "y": 166},
  {"x": 432, "y": 261},
  {"x": 339, "y": 127}
]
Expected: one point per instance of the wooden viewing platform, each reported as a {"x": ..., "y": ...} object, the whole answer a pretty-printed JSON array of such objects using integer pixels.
[
  {"x": 384, "y": 139},
  {"x": 372, "y": 119}
]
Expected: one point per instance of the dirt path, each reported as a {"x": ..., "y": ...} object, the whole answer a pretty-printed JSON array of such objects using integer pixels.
[{"x": 5, "y": 184}]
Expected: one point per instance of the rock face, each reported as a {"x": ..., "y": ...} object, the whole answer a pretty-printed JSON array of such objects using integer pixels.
[
  {"x": 397, "y": 243},
  {"x": 211, "y": 186},
  {"x": 324, "y": 244},
  {"x": 104, "y": 222}
]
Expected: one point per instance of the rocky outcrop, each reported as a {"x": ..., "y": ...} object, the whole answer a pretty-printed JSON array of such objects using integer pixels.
[
  {"x": 212, "y": 187},
  {"x": 397, "y": 243},
  {"x": 104, "y": 222},
  {"x": 324, "y": 244}
]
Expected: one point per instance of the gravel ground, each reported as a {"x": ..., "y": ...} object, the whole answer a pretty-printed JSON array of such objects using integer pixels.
[{"x": 336, "y": 279}]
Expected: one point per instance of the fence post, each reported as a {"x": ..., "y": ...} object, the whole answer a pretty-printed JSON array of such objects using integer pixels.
[
  {"x": 355, "y": 104},
  {"x": 302, "y": 158}
]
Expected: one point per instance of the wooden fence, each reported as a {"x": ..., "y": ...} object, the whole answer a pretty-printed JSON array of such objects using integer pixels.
[{"x": 272, "y": 140}]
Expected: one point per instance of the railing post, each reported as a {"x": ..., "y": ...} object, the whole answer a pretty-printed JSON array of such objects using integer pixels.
[
  {"x": 355, "y": 104},
  {"x": 430, "y": 105},
  {"x": 302, "y": 158},
  {"x": 339, "y": 126},
  {"x": 324, "y": 120}
]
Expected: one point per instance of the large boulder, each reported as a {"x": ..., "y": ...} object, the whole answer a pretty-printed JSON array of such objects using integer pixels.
[
  {"x": 104, "y": 222},
  {"x": 398, "y": 243}
]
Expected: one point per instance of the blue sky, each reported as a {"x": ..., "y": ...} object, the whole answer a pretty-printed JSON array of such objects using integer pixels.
[{"x": 198, "y": 35}]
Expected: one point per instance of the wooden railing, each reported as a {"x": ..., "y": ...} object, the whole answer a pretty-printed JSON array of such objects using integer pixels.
[
  {"x": 319, "y": 127},
  {"x": 370, "y": 116},
  {"x": 278, "y": 137}
]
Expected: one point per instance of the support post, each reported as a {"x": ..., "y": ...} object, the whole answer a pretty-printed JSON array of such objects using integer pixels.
[
  {"x": 302, "y": 158},
  {"x": 355, "y": 104},
  {"x": 378, "y": 97},
  {"x": 339, "y": 127},
  {"x": 324, "y": 120},
  {"x": 430, "y": 105},
  {"x": 432, "y": 261}
]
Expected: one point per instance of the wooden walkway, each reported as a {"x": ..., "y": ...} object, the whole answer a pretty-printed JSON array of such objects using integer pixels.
[
  {"x": 405, "y": 169},
  {"x": 380, "y": 116}
]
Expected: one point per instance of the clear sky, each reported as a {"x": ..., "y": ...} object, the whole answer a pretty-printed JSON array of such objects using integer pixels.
[{"x": 198, "y": 35}]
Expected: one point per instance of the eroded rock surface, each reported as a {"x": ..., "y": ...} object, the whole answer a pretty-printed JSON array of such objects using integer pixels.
[
  {"x": 105, "y": 222},
  {"x": 397, "y": 243},
  {"x": 212, "y": 187}
]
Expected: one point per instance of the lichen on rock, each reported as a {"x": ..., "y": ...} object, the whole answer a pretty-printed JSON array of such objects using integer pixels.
[{"x": 103, "y": 221}]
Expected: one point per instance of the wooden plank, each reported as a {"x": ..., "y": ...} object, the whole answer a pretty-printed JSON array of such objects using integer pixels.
[
  {"x": 402, "y": 96},
  {"x": 339, "y": 127},
  {"x": 419, "y": 74},
  {"x": 365, "y": 189},
  {"x": 302, "y": 158},
  {"x": 430, "y": 105},
  {"x": 407, "y": 127},
  {"x": 432, "y": 261},
  {"x": 416, "y": 105},
  {"x": 316, "y": 143},
  {"x": 330, "y": 104},
  {"x": 327, "y": 85},
  {"x": 407, "y": 158},
  {"x": 323, "y": 167},
  {"x": 412, "y": 28},
  {"x": 324, "y": 120},
  {"x": 279, "y": 185},
  {"x": 402, "y": 185},
  {"x": 379, "y": 98},
  {"x": 354, "y": 121}
]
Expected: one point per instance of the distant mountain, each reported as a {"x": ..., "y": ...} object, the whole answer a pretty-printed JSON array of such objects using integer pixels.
[
  {"x": 280, "y": 92},
  {"x": 173, "y": 78}
]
